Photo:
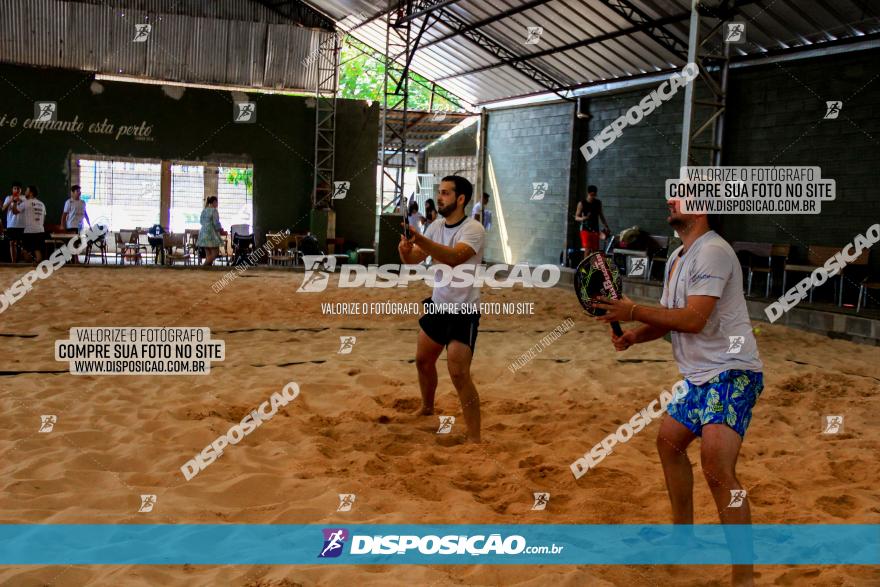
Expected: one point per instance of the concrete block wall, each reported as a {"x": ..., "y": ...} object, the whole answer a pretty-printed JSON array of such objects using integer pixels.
[
  {"x": 779, "y": 119},
  {"x": 526, "y": 146},
  {"x": 775, "y": 117},
  {"x": 630, "y": 172}
]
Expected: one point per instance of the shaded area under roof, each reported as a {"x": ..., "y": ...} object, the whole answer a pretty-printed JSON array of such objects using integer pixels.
[
  {"x": 594, "y": 41},
  {"x": 423, "y": 128}
]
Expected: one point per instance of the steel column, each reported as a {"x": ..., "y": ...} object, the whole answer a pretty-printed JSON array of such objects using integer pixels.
[
  {"x": 326, "y": 87},
  {"x": 705, "y": 26},
  {"x": 392, "y": 148}
]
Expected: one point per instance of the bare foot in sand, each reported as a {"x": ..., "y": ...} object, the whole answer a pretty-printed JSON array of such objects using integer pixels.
[{"x": 424, "y": 411}]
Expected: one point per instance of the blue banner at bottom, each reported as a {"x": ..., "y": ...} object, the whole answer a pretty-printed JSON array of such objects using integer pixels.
[{"x": 518, "y": 544}]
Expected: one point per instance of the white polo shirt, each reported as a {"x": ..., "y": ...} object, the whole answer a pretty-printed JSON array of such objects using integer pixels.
[{"x": 710, "y": 268}]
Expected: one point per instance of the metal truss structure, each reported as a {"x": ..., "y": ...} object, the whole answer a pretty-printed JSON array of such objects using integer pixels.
[
  {"x": 392, "y": 146},
  {"x": 326, "y": 89},
  {"x": 709, "y": 50}
]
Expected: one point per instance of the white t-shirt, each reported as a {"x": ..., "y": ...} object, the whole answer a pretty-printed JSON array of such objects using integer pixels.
[
  {"x": 469, "y": 232},
  {"x": 710, "y": 268},
  {"x": 76, "y": 212},
  {"x": 34, "y": 213},
  {"x": 487, "y": 215},
  {"x": 13, "y": 220}
]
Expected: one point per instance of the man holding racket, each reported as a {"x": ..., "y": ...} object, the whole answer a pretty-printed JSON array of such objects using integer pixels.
[
  {"x": 454, "y": 240},
  {"x": 704, "y": 308}
]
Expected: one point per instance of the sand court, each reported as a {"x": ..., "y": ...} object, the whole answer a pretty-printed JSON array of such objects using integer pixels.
[{"x": 351, "y": 428}]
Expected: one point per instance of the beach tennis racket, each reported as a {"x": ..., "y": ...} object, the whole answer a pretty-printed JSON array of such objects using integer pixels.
[{"x": 597, "y": 276}]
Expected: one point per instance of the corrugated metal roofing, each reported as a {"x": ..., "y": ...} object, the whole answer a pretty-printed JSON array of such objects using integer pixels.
[
  {"x": 452, "y": 60},
  {"x": 227, "y": 42},
  {"x": 245, "y": 43}
]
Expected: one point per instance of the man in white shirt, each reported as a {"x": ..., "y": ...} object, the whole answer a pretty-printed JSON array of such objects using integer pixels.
[
  {"x": 704, "y": 308},
  {"x": 74, "y": 211},
  {"x": 455, "y": 240},
  {"x": 482, "y": 214},
  {"x": 34, "y": 213},
  {"x": 14, "y": 223}
]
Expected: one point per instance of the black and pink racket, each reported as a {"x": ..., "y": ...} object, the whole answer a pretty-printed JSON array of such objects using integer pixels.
[{"x": 597, "y": 276}]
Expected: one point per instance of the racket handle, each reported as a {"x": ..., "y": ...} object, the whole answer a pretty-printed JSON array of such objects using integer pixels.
[{"x": 615, "y": 326}]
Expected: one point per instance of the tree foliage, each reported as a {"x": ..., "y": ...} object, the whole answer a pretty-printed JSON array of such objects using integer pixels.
[
  {"x": 361, "y": 77},
  {"x": 237, "y": 176}
]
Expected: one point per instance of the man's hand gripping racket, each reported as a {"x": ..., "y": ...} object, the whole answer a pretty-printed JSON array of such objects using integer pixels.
[{"x": 597, "y": 277}]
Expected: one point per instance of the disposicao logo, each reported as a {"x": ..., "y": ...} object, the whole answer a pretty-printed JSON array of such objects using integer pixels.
[{"x": 334, "y": 540}]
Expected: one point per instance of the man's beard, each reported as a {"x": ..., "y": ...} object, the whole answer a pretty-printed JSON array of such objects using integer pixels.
[
  {"x": 678, "y": 223},
  {"x": 445, "y": 211}
]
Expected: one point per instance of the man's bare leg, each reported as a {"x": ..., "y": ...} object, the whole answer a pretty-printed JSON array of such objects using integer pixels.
[
  {"x": 458, "y": 357},
  {"x": 672, "y": 443},
  {"x": 427, "y": 353},
  {"x": 718, "y": 454}
]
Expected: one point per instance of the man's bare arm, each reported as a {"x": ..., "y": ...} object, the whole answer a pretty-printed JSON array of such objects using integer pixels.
[
  {"x": 691, "y": 319},
  {"x": 647, "y": 333},
  {"x": 451, "y": 256}
]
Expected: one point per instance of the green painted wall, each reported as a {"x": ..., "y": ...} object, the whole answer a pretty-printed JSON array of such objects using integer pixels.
[{"x": 198, "y": 125}]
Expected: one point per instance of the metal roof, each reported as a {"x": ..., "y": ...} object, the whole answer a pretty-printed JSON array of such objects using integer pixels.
[
  {"x": 225, "y": 42},
  {"x": 587, "y": 42},
  {"x": 262, "y": 43}
]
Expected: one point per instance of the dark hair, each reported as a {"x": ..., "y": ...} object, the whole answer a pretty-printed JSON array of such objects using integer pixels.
[
  {"x": 486, "y": 195},
  {"x": 210, "y": 200},
  {"x": 16, "y": 184},
  {"x": 34, "y": 190},
  {"x": 75, "y": 188},
  {"x": 593, "y": 189},
  {"x": 462, "y": 187},
  {"x": 413, "y": 207},
  {"x": 430, "y": 205}
]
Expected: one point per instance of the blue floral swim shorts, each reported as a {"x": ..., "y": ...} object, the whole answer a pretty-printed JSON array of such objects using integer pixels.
[{"x": 727, "y": 398}]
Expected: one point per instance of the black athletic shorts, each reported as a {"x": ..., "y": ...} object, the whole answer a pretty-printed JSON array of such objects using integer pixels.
[
  {"x": 443, "y": 328},
  {"x": 34, "y": 241},
  {"x": 14, "y": 234}
]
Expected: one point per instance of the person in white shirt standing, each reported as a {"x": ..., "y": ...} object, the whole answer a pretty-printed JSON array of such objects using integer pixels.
[
  {"x": 704, "y": 308},
  {"x": 34, "y": 213},
  {"x": 456, "y": 240},
  {"x": 14, "y": 222},
  {"x": 74, "y": 211},
  {"x": 482, "y": 214}
]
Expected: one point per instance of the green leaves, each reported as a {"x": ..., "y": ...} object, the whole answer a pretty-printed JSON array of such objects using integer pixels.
[
  {"x": 361, "y": 77},
  {"x": 237, "y": 176}
]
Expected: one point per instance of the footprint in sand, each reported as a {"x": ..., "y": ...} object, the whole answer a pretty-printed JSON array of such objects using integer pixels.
[
  {"x": 529, "y": 462},
  {"x": 798, "y": 577},
  {"x": 841, "y": 506},
  {"x": 512, "y": 407},
  {"x": 375, "y": 467},
  {"x": 850, "y": 471},
  {"x": 407, "y": 405}
]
